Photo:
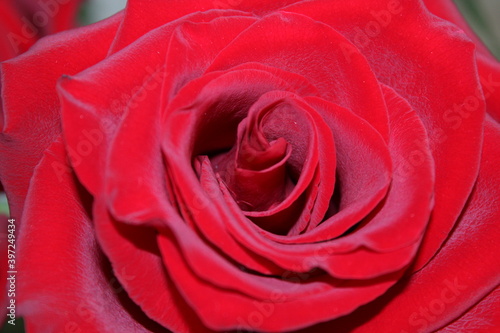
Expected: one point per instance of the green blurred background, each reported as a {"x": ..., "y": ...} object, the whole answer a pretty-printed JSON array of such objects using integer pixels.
[{"x": 483, "y": 16}]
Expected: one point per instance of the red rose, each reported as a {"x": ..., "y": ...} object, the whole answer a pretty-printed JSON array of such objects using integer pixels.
[{"x": 322, "y": 166}]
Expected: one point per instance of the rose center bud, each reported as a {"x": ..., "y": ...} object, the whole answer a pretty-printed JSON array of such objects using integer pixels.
[{"x": 256, "y": 170}]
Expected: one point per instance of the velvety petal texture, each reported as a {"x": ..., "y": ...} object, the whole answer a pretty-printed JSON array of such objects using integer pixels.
[
  {"x": 488, "y": 66},
  {"x": 85, "y": 296},
  {"x": 30, "y": 104},
  {"x": 12, "y": 41},
  {"x": 454, "y": 283},
  {"x": 228, "y": 166},
  {"x": 23, "y": 22}
]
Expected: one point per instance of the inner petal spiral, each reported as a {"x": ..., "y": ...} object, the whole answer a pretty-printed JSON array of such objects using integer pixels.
[
  {"x": 271, "y": 172},
  {"x": 256, "y": 169}
]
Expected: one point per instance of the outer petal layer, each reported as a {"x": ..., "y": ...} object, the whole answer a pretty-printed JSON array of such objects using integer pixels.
[
  {"x": 31, "y": 117},
  {"x": 64, "y": 281},
  {"x": 455, "y": 280}
]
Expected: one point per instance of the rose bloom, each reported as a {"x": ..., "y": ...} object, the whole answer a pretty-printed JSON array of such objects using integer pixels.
[{"x": 201, "y": 166}]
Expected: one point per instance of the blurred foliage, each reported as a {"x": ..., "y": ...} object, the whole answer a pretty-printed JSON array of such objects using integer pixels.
[
  {"x": 94, "y": 10},
  {"x": 18, "y": 328},
  {"x": 84, "y": 16},
  {"x": 4, "y": 206},
  {"x": 483, "y": 16}
]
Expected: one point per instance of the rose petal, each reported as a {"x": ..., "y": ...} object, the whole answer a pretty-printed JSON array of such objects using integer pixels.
[
  {"x": 13, "y": 41},
  {"x": 91, "y": 117},
  {"x": 404, "y": 216},
  {"x": 49, "y": 17},
  {"x": 179, "y": 148},
  {"x": 385, "y": 233},
  {"x": 448, "y": 10},
  {"x": 310, "y": 142},
  {"x": 58, "y": 222},
  {"x": 133, "y": 196},
  {"x": 428, "y": 53},
  {"x": 488, "y": 65},
  {"x": 359, "y": 188},
  {"x": 142, "y": 16},
  {"x": 133, "y": 252},
  {"x": 482, "y": 318},
  {"x": 30, "y": 103},
  {"x": 192, "y": 46},
  {"x": 137, "y": 194},
  {"x": 222, "y": 309},
  {"x": 300, "y": 45},
  {"x": 463, "y": 272}
]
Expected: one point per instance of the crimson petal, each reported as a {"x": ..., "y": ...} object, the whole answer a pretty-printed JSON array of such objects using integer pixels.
[
  {"x": 408, "y": 60},
  {"x": 90, "y": 299},
  {"x": 30, "y": 103}
]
